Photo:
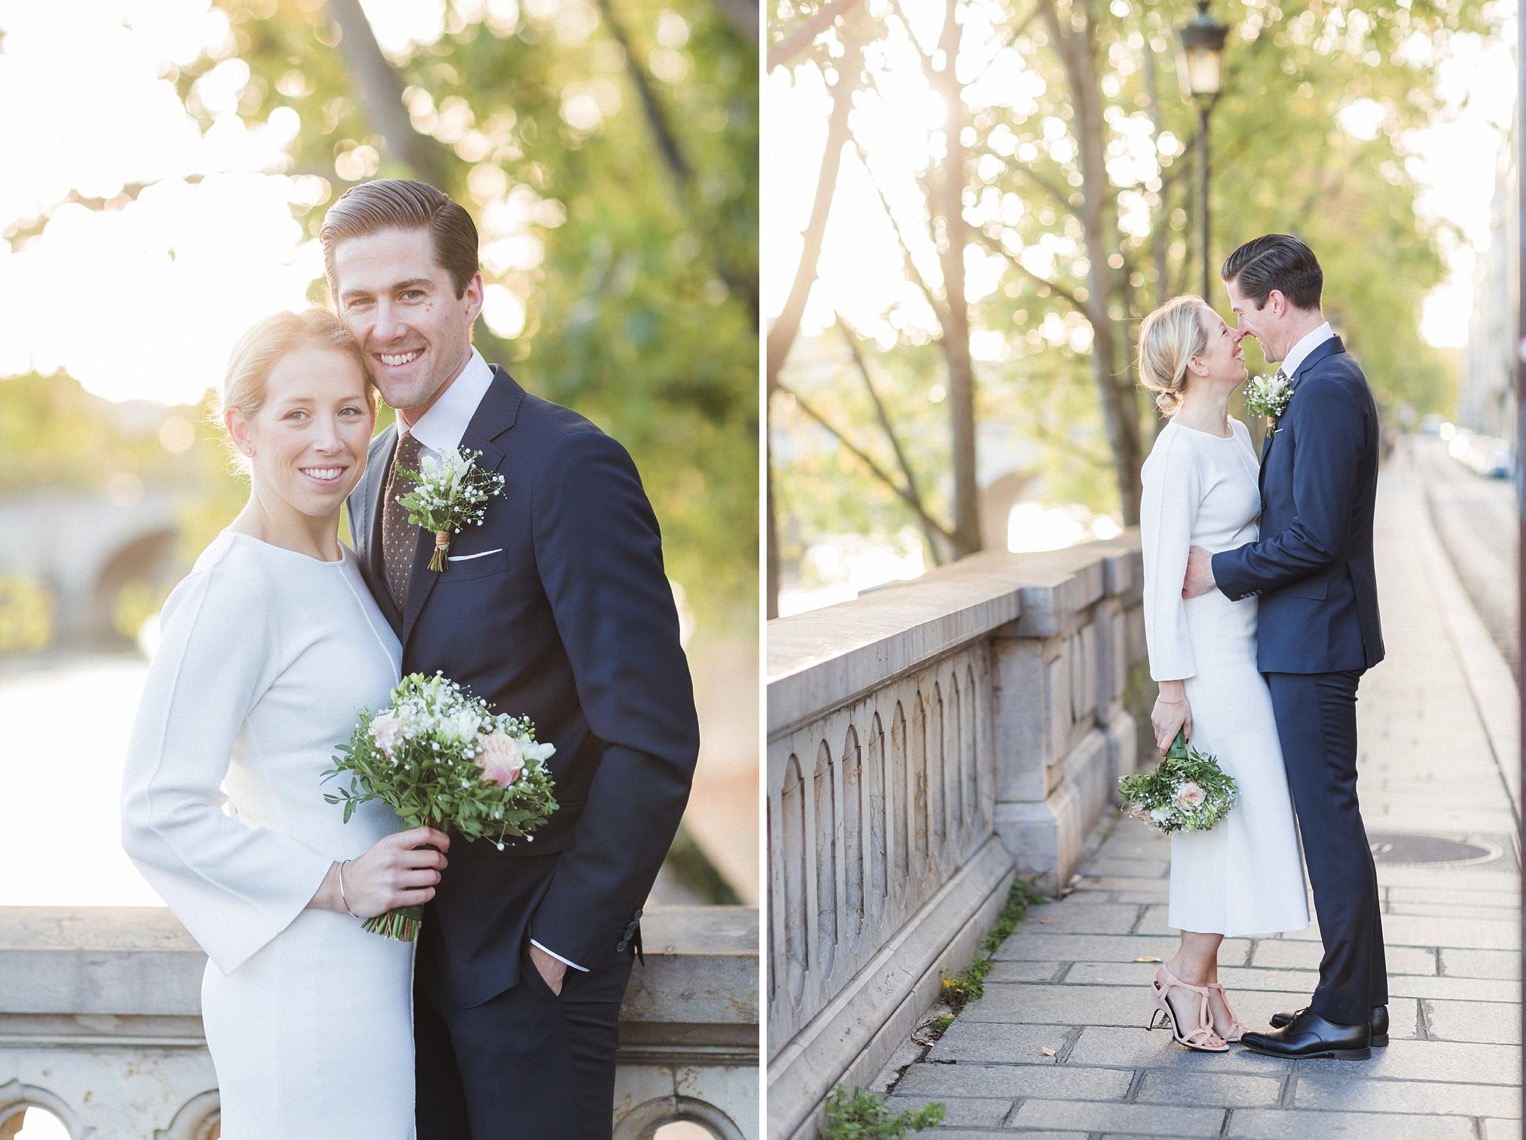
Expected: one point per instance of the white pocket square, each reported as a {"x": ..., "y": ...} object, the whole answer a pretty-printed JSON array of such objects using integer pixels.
[{"x": 469, "y": 557}]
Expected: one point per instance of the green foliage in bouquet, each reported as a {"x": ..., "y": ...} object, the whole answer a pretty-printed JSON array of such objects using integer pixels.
[
  {"x": 1187, "y": 791},
  {"x": 440, "y": 759}
]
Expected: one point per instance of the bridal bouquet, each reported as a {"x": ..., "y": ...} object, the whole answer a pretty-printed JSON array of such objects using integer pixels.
[
  {"x": 440, "y": 759},
  {"x": 1187, "y": 791},
  {"x": 449, "y": 493}
]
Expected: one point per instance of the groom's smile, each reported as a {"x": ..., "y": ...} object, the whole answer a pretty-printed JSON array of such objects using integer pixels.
[{"x": 402, "y": 308}]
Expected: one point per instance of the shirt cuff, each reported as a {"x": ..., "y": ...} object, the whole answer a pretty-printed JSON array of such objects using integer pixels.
[{"x": 559, "y": 958}]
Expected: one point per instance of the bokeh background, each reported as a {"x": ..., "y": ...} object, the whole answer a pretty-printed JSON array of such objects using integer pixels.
[{"x": 166, "y": 166}]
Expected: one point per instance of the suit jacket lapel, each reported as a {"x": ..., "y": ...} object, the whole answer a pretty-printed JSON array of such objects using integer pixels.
[{"x": 493, "y": 417}]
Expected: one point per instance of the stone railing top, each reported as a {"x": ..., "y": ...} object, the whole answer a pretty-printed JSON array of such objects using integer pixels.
[
  {"x": 699, "y": 986},
  {"x": 821, "y": 660}
]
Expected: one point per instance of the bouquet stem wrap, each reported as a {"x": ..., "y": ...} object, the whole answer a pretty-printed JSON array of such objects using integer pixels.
[{"x": 441, "y": 549}]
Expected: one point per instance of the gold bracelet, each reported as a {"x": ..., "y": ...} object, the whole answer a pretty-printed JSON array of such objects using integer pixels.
[
  {"x": 342, "y": 899},
  {"x": 1179, "y": 700}
]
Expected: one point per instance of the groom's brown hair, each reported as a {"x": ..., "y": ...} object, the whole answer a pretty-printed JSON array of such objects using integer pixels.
[
  {"x": 397, "y": 204},
  {"x": 1276, "y": 261}
]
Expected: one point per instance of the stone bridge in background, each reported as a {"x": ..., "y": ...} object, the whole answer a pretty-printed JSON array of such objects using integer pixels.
[{"x": 85, "y": 545}]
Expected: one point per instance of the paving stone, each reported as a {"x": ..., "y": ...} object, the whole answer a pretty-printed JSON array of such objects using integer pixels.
[
  {"x": 1460, "y": 963},
  {"x": 939, "y": 1082},
  {"x": 1029, "y": 944},
  {"x": 1062, "y": 1005},
  {"x": 1496, "y": 1022},
  {"x": 1005, "y": 1134},
  {"x": 1458, "y": 893},
  {"x": 1321, "y": 1091},
  {"x": 1408, "y": 930},
  {"x": 1293, "y": 1124},
  {"x": 960, "y": 1110},
  {"x": 1141, "y": 1049},
  {"x": 1455, "y": 989},
  {"x": 1026, "y": 971},
  {"x": 1448, "y": 910},
  {"x": 1142, "y": 1119},
  {"x": 976, "y": 1041},
  {"x": 1082, "y": 916},
  {"x": 1227, "y": 1090},
  {"x": 1492, "y": 1129},
  {"x": 1281, "y": 954},
  {"x": 1462, "y": 1062}
]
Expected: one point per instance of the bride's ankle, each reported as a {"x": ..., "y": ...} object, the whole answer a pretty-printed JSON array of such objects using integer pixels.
[{"x": 1194, "y": 974}]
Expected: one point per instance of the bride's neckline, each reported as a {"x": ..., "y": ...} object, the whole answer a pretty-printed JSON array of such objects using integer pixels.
[
  {"x": 1201, "y": 431},
  {"x": 288, "y": 550}
]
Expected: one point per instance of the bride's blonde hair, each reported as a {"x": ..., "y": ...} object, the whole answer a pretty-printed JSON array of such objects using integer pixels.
[{"x": 1169, "y": 337}]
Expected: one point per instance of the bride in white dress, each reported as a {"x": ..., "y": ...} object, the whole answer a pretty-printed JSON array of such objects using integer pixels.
[
  {"x": 270, "y": 647},
  {"x": 1245, "y": 876}
]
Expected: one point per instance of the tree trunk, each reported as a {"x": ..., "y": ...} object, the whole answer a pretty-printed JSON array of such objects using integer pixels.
[
  {"x": 781, "y": 336},
  {"x": 948, "y": 216},
  {"x": 381, "y": 94},
  {"x": 1073, "y": 40}
]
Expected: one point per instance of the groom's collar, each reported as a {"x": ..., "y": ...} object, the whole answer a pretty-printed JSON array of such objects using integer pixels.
[
  {"x": 440, "y": 428},
  {"x": 1293, "y": 361}
]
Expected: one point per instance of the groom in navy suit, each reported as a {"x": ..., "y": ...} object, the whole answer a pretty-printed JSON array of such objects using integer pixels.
[
  {"x": 554, "y": 607},
  {"x": 1318, "y": 627}
]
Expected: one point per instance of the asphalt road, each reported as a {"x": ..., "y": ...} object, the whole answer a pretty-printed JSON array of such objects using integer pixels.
[{"x": 1477, "y": 521}]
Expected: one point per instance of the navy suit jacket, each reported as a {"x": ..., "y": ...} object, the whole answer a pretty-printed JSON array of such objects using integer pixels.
[
  {"x": 1312, "y": 567},
  {"x": 571, "y": 622}
]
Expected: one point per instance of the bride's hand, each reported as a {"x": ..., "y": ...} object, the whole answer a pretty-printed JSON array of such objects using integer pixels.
[
  {"x": 399, "y": 870},
  {"x": 1170, "y": 715}
]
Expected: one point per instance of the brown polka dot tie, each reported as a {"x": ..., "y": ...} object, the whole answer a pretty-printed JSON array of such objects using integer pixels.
[{"x": 399, "y": 537}]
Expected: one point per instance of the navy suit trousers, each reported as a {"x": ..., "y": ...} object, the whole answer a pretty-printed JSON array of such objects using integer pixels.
[
  {"x": 539, "y": 1064},
  {"x": 1316, "y": 722}
]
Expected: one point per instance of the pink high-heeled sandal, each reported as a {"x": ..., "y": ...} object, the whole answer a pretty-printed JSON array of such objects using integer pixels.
[
  {"x": 1199, "y": 1036},
  {"x": 1237, "y": 1028}
]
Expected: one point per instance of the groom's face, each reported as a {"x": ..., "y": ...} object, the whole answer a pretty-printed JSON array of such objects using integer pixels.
[
  {"x": 400, "y": 306},
  {"x": 1259, "y": 321}
]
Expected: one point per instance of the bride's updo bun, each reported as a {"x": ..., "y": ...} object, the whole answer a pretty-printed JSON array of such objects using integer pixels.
[{"x": 1169, "y": 337}]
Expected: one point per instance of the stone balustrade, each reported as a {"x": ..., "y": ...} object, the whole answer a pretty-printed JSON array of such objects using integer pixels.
[
  {"x": 927, "y": 742},
  {"x": 100, "y": 1024}
]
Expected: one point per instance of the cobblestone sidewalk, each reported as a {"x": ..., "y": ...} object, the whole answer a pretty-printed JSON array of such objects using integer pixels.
[{"x": 1058, "y": 1047}]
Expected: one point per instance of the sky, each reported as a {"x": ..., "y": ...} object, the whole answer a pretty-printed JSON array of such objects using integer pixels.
[
  {"x": 860, "y": 267},
  {"x": 145, "y": 300}
]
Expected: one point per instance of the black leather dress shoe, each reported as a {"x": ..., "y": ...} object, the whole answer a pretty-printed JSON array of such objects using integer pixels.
[
  {"x": 1309, "y": 1035},
  {"x": 1379, "y": 1024}
]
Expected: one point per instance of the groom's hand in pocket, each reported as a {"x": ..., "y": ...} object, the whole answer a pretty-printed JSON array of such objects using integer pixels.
[{"x": 552, "y": 970}]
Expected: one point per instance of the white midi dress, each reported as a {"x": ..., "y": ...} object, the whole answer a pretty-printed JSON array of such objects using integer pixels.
[
  {"x": 266, "y": 658},
  {"x": 1245, "y": 876}
]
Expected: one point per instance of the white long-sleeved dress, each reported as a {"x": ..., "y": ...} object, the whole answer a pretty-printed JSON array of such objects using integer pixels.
[
  {"x": 267, "y": 656},
  {"x": 1245, "y": 876}
]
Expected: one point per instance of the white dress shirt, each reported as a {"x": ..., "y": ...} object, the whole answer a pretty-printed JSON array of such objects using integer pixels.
[{"x": 1307, "y": 344}]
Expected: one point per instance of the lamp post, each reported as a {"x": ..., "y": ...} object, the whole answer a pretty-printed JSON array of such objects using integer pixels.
[{"x": 1202, "y": 77}]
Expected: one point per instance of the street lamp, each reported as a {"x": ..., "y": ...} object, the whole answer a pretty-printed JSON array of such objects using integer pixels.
[{"x": 1201, "y": 74}]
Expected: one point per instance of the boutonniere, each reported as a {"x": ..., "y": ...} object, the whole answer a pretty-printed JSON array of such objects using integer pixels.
[
  {"x": 449, "y": 493},
  {"x": 1268, "y": 396}
]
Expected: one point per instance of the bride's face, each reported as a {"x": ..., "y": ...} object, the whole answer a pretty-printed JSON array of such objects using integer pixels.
[
  {"x": 307, "y": 443},
  {"x": 1223, "y": 359}
]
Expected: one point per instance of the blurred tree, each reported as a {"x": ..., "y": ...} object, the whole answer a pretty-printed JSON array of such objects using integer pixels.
[{"x": 1067, "y": 141}]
